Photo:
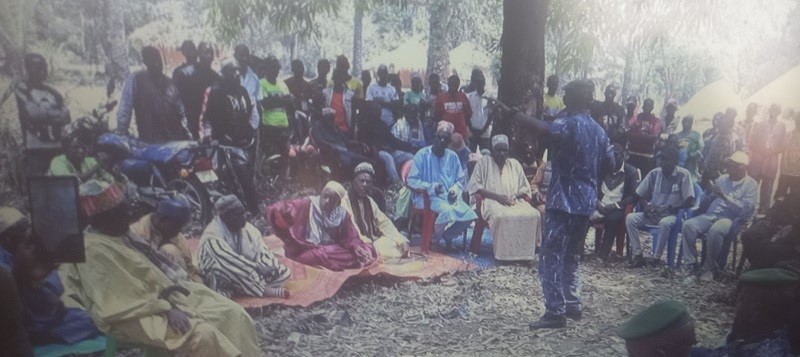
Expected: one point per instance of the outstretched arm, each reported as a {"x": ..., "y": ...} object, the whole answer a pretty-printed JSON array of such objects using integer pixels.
[{"x": 536, "y": 124}]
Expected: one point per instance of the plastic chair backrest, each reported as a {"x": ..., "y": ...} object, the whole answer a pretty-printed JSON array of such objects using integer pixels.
[{"x": 405, "y": 171}]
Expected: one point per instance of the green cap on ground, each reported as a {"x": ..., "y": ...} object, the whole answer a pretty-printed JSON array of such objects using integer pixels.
[
  {"x": 775, "y": 277},
  {"x": 659, "y": 317}
]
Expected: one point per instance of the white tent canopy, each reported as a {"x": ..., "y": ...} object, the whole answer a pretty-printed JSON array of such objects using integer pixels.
[
  {"x": 467, "y": 56},
  {"x": 715, "y": 97},
  {"x": 785, "y": 91},
  {"x": 411, "y": 55}
]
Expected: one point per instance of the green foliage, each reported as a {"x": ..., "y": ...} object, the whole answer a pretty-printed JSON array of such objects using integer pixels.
[{"x": 229, "y": 17}]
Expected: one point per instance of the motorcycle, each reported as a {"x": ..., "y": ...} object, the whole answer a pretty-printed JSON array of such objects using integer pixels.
[
  {"x": 200, "y": 173},
  {"x": 159, "y": 172}
]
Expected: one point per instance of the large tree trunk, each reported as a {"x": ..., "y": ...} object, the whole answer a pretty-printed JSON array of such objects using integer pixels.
[
  {"x": 116, "y": 42},
  {"x": 439, "y": 44},
  {"x": 358, "y": 28},
  {"x": 16, "y": 20},
  {"x": 627, "y": 73},
  {"x": 13, "y": 54},
  {"x": 522, "y": 62}
]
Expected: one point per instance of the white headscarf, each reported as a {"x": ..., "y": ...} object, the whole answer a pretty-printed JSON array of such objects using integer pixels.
[{"x": 319, "y": 222}]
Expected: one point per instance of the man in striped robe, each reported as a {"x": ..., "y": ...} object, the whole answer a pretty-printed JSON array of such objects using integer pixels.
[{"x": 234, "y": 259}]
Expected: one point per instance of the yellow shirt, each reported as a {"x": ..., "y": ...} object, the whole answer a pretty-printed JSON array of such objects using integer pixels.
[
  {"x": 355, "y": 85},
  {"x": 552, "y": 104}
]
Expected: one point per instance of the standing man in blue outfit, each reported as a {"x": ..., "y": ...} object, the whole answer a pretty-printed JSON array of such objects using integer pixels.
[{"x": 580, "y": 153}]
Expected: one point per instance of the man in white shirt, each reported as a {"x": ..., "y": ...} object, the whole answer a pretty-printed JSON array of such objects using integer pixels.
[
  {"x": 480, "y": 125},
  {"x": 249, "y": 80},
  {"x": 382, "y": 93},
  {"x": 617, "y": 191}
]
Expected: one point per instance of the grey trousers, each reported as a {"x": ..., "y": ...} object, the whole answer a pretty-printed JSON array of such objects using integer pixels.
[
  {"x": 637, "y": 220},
  {"x": 715, "y": 228},
  {"x": 450, "y": 233}
]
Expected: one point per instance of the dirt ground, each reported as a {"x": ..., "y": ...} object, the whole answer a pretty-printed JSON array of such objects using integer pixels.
[{"x": 485, "y": 312}]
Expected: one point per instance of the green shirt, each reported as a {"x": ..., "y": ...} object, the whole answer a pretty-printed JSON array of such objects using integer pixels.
[
  {"x": 412, "y": 97},
  {"x": 60, "y": 166},
  {"x": 692, "y": 142},
  {"x": 274, "y": 117}
]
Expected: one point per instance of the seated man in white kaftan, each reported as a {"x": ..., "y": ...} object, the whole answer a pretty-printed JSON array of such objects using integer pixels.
[
  {"x": 234, "y": 259},
  {"x": 438, "y": 171},
  {"x": 514, "y": 223}
]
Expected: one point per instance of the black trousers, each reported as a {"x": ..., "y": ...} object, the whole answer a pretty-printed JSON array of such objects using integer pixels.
[
  {"x": 760, "y": 252},
  {"x": 611, "y": 225},
  {"x": 787, "y": 184},
  {"x": 473, "y": 143},
  {"x": 275, "y": 141}
]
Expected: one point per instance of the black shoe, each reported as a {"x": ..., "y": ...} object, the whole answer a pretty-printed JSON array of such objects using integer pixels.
[
  {"x": 638, "y": 262},
  {"x": 574, "y": 314},
  {"x": 548, "y": 321},
  {"x": 692, "y": 269}
]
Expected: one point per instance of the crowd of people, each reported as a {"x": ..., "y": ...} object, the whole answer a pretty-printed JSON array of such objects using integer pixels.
[{"x": 608, "y": 166}]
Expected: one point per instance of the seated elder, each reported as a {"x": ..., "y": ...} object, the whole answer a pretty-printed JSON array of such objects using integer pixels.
[
  {"x": 514, "y": 223},
  {"x": 438, "y": 171},
  {"x": 233, "y": 257},
  {"x": 318, "y": 231},
  {"x": 730, "y": 197},
  {"x": 162, "y": 229},
  {"x": 45, "y": 317},
  {"x": 136, "y": 294},
  {"x": 373, "y": 225}
]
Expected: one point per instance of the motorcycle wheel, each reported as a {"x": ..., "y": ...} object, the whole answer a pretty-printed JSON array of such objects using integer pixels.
[{"x": 198, "y": 197}]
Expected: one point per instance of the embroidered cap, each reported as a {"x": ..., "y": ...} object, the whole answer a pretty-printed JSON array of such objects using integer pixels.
[{"x": 98, "y": 197}]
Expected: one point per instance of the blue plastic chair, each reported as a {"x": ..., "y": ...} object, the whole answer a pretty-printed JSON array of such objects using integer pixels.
[
  {"x": 729, "y": 241},
  {"x": 672, "y": 241}
]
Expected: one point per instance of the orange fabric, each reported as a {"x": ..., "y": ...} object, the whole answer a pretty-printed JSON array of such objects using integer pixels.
[
  {"x": 337, "y": 103},
  {"x": 309, "y": 284}
]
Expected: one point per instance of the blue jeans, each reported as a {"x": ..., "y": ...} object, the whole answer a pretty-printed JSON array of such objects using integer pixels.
[
  {"x": 392, "y": 160},
  {"x": 562, "y": 245}
]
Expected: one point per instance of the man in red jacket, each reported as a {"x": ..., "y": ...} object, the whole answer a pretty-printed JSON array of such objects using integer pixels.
[{"x": 453, "y": 107}]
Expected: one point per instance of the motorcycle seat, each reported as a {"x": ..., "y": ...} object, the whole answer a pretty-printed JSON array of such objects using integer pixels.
[{"x": 166, "y": 152}]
